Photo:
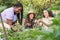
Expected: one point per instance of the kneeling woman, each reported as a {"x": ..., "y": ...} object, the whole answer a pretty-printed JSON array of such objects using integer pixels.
[
  {"x": 46, "y": 20},
  {"x": 29, "y": 21}
]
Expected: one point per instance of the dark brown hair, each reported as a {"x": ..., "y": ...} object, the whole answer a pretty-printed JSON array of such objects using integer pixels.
[
  {"x": 20, "y": 15},
  {"x": 50, "y": 13},
  {"x": 30, "y": 14}
]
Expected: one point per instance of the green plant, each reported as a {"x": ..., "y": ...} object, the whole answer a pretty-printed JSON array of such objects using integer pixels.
[{"x": 2, "y": 8}]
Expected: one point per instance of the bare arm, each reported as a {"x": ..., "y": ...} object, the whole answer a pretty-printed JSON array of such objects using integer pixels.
[
  {"x": 39, "y": 22},
  {"x": 9, "y": 22},
  {"x": 23, "y": 22},
  {"x": 47, "y": 24}
]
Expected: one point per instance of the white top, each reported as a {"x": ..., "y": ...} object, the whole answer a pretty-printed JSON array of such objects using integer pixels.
[
  {"x": 48, "y": 21},
  {"x": 9, "y": 14}
]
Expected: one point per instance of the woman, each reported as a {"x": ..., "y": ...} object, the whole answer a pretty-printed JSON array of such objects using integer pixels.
[
  {"x": 29, "y": 21},
  {"x": 9, "y": 16},
  {"x": 46, "y": 21}
]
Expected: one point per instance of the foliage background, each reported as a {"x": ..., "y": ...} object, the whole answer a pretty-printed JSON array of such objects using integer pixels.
[{"x": 38, "y": 6}]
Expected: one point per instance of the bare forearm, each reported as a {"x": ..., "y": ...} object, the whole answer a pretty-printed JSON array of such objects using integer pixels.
[
  {"x": 23, "y": 22},
  {"x": 45, "y": 23},
  {"x": 9, "y": 22}
]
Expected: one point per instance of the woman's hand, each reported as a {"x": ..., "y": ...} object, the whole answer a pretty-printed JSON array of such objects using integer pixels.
[
  {"x": 39, "y": 22},
  {"x": 28, "y": 24}
]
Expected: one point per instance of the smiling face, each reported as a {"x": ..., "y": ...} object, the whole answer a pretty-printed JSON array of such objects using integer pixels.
[
  {"x": 31, "y": 16},
  {"x": 17, "y": 9},
  {"x": 45, "y": 13}
]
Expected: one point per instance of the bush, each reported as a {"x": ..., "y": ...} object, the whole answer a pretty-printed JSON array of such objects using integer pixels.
[{"x": 2, "y": 8}]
